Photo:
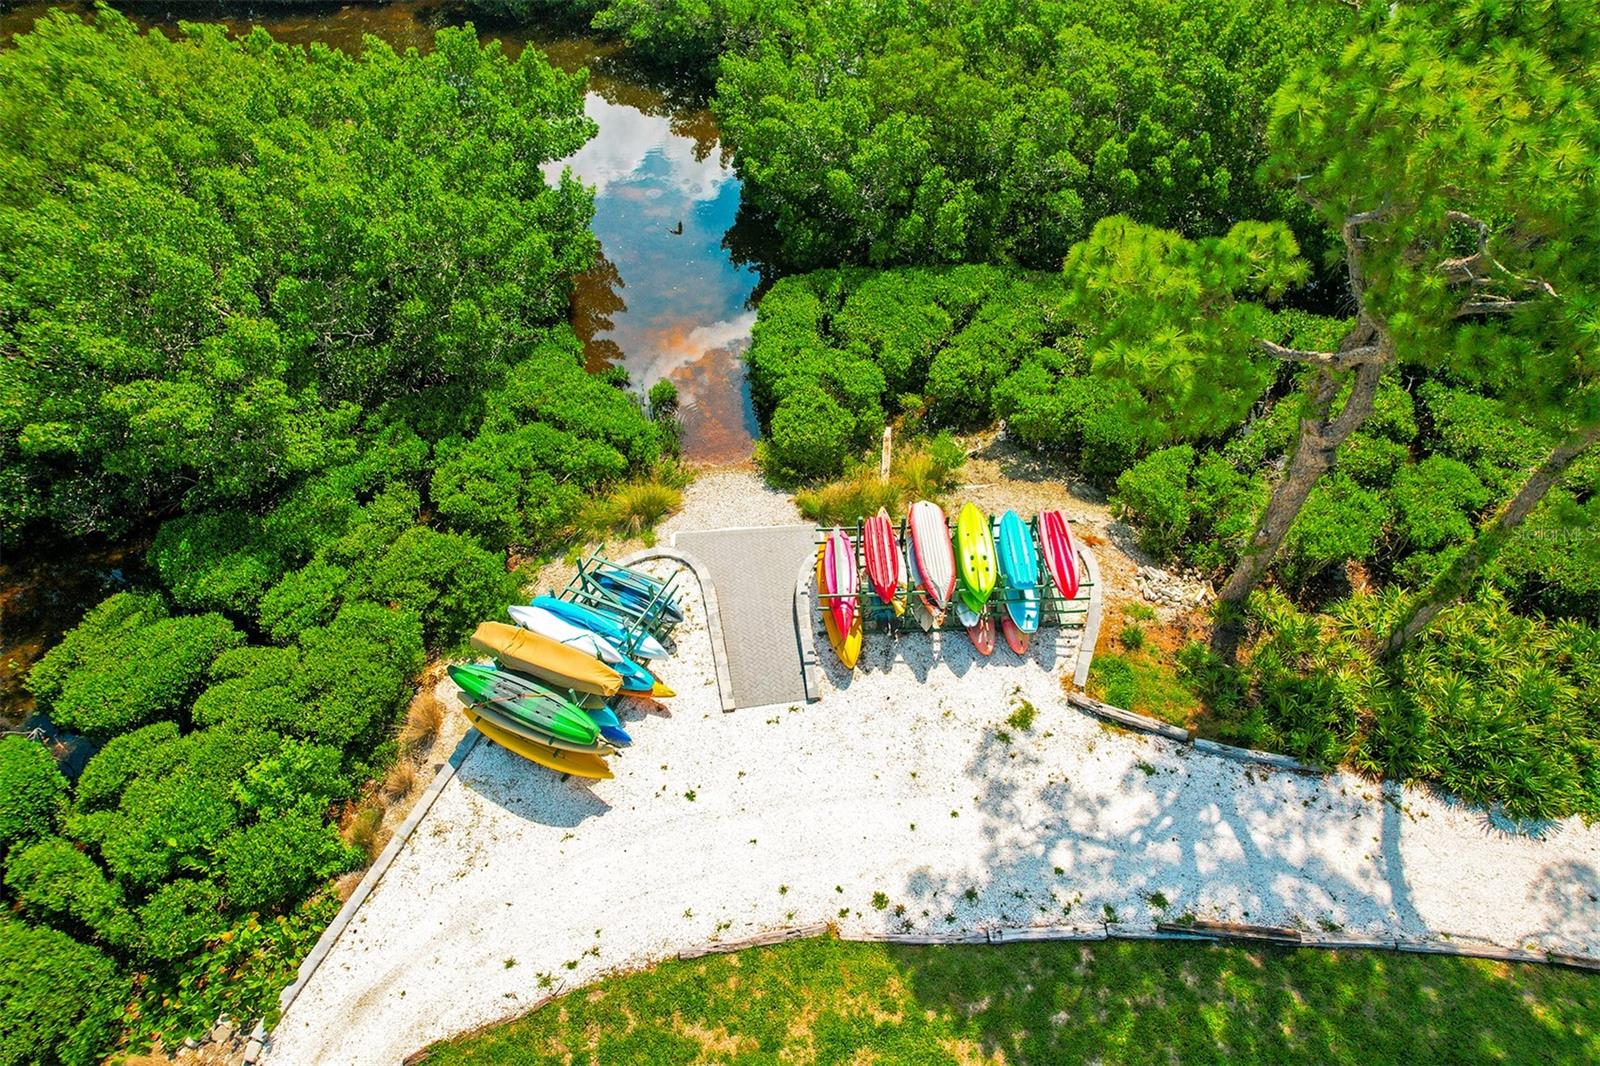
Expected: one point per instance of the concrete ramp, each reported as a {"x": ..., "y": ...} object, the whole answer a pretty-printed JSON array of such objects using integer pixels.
[{"x": 754, "y": 573}]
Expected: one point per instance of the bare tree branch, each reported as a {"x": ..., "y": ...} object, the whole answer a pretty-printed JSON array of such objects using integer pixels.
[{"x": 1340, "y": 360}]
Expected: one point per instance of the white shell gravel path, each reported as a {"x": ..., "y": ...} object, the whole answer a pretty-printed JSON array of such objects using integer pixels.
[{"x": 899, "y": 782}]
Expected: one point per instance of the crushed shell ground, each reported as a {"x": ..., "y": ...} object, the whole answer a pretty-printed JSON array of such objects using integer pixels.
[{"x": 903, "y": 801}]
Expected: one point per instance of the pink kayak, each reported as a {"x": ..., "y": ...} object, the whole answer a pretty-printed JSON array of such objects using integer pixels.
[
  {"x": 884, "y": 568},
  {"x": 839, "y": 576},
  {"x": 936, "y": 559},
  {"x": 1060, "y": 554}
]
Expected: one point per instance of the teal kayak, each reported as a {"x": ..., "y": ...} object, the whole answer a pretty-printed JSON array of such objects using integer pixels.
[
  {"x": 605, "y": 624},
  {"x": 1019, "y": 565}
]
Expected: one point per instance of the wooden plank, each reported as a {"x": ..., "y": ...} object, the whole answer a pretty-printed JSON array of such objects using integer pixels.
[
  {"x": 1037, "y": 933},
  {"x": 1576, "y": 962},
  {"x": 1277, "y": 934},
  {"x": 776, "y": 936},
  {"x": 1129, "y": 719}
]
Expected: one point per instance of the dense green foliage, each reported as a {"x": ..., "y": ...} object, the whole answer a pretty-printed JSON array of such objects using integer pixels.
[
  {"x": 32, "y": 792},
  {"x": 60, "y": 1001},
  {"x": 308, "y": 312},
  {"x": 1497, "y": 708},
  {"x": 1109, "y": 1002}
]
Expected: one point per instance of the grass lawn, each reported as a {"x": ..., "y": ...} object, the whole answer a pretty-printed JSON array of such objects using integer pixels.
[{"x": 827, "y": 1001}]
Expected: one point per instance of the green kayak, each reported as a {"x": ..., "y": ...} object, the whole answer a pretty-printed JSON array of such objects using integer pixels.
[{"x": 527, "y": 702}]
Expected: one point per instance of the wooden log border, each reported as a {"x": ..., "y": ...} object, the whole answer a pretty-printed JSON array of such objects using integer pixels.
[{"x": 1143, "y": 723}]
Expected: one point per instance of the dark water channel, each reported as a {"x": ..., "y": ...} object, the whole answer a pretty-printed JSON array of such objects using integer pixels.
[{"x": 666, "y": 299}]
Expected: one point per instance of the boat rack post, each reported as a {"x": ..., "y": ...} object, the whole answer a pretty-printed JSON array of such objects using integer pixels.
[{"x": 586, "y": 589}]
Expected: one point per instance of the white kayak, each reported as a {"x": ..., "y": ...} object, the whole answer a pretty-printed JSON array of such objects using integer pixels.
[{"x": 547, "y": 624}]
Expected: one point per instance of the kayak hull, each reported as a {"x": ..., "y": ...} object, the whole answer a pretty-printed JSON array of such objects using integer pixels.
[
  {"x": 543, "y": 658},
  {"x": 1060, "y": 555},
  {"x": 1015, "y": 638},
  {"x": 548, "y": 624},
  {"x": 884, "y": 570},
  {"x": 975, "y": 555},
  {"x": 930, "y": 541},
  {"x": 604, "y": 623},
  {"x": 846, "y": 642},
  {"x": 587, "y": 766},
  {"x": 539, "y": 708},
  {"x": 840, "y": 578}
]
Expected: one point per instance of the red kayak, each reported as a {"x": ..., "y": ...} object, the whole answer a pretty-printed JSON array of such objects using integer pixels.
[
  {"x": 1016, "y": 638},
  {"x": 884, "y": 569},
  {"x": 1060, "y": 555},
  {"x": 839, "y": 573}
]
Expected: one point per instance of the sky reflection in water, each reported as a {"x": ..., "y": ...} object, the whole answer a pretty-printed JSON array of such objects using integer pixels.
[{"x": 667, "y": 304}]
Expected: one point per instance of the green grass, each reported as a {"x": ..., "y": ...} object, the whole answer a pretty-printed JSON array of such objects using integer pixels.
[
  {"x": 1141, "y": 681},
  {"x": 829, "y": 1001}
]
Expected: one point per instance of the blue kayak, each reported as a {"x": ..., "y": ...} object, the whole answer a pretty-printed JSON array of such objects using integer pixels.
[
  {"x": 637, "y": 592},
  {"x": 609, "y": 724},
  {"x": 1019, "y": 565},
  {"x": 605, "y": 624}
]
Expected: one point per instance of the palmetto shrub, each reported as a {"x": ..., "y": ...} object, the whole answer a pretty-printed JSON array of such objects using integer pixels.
[{"x": 1493, "y": 707}]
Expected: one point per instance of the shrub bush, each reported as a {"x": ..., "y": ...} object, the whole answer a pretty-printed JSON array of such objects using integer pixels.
[
  {"x": 222, "y": 561},
  {"x": 523, "y": 486},
  {"x": 1340, "y": 521},
  {"x": 1552, "y": 563},
  {"x": 446, "y": 580},
  {"x": 127, "y": 664},
  {"x": 32, "y": 792},
  {"x": 1154, "y": 498},
  {"x": 1436, "y": 501},
  {"x": 277, "y": 860},
  {"x": 1493, "y": 707},
  {"x": 110, "y": 770},
  {"x": 60, "y": 1001},
  {"x": 57, "y": 884},
  {"x": 342, "y": 685},
  {"x": 299, "y": 776},
  {"x": 178, "y": 919},
  {"x": 810, "y": 436},
  {"x": 307, "y": 597}
]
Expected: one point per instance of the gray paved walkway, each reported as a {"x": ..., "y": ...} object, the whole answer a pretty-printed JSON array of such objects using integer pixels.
[{"x": 754, "y": 571}]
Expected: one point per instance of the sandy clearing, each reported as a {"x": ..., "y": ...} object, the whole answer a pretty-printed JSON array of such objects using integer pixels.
[{"x": 897, "y": 782}]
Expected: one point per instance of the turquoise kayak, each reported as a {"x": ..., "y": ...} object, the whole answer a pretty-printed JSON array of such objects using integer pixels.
[
  {"x": 1019, "y": 565},
  {"x": 605, "y": 624}
]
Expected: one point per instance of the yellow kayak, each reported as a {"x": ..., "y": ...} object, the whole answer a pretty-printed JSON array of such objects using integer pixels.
[
  {"x": 544, "y": 658},
  {"x": 567, "y": 762},
  {"x": 847, "y": 645},
  {"x": 975, "y": 555}
]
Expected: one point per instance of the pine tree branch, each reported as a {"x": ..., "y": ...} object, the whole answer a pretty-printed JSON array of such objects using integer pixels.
[{"x": 1340, "y": 360}]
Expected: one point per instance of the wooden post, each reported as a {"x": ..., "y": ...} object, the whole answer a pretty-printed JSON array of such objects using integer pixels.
[{"x": 883, "y": 461}]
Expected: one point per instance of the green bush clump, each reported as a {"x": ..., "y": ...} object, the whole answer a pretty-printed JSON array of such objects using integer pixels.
[
  {"x": 60, "y": 1001},
  {"x": 128, "y": 663},
  {"x": 303, "y": 599},
  {"x": 1494, "y": 707},
  {"x": 1340, "y": 521},
  {"x": 447, "y": 581},
  {"x": 1478, "y": 431},
  {"x": 1435, "y": 502},
  {"x": 280, "y": 858},
  {"x": 521, "y": 487},
  {"x": 109, "y": 771},
  {"x": 299, "y": 776},
  {"x": 1154, "y": 497},
  {"x": 221, "y": 561},
  {"x": 341, "y": 685},
  {"x": 810, "y": 436},
  {"x": 54, "y": 883},
  {"x": 178, "y": 919},
  {"x": 1552, "y": 563},
  {"x": 32, "y": 792}
]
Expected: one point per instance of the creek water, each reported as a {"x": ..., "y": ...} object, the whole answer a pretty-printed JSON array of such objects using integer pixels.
[{"x": 666, "y": 299}]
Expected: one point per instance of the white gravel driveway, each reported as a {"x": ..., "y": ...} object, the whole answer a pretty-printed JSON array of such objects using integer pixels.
[{"x": 899, "y": 782}]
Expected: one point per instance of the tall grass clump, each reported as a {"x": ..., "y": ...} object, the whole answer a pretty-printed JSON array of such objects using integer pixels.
[
  {"x": 634, "y": 507},
  {"x": 925, "y": 470}
]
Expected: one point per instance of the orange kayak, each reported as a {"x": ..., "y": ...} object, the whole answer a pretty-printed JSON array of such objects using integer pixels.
[{"x": 560, "y": 665}]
